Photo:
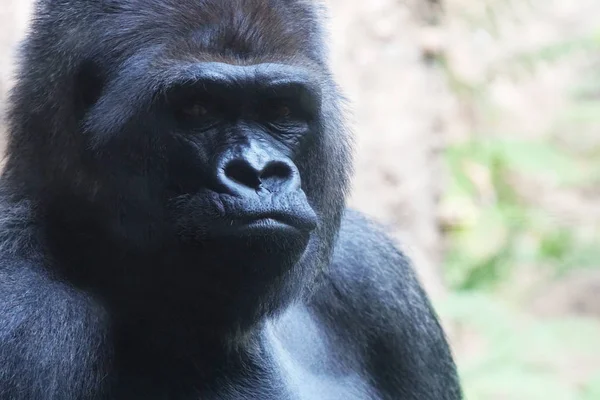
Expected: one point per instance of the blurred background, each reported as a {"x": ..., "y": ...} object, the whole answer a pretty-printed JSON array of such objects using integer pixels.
[{"x": 478, "y": 145}]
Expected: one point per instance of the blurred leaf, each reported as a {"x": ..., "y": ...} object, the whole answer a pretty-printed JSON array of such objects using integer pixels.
[
  {"x": 556, "y": 245},
  {"x": 592, "y": 390},
  {"x": 555, "y": 51}
]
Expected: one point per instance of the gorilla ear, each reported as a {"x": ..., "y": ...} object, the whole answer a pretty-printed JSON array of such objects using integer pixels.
[{"x": 89, "y": 84}]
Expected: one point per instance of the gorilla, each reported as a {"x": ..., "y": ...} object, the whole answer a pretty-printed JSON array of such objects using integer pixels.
[{"x": 173, "y": 220}]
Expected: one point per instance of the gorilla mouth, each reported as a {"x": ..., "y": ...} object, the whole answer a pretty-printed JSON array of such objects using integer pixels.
[
  {"x": 265, "y": 223},
  {"x": 214, "y": 215}
]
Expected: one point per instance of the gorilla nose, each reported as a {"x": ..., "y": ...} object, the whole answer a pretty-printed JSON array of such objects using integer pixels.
[{"x": 240, "y": 175}]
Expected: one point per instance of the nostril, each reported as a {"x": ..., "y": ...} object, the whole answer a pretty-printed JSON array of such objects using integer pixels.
[
  {"x": 278, "y": 176},
  {"x": 276, "y": 171},
  {"x": 242, "y": 173},
  {"x": 239, "y": 175}
]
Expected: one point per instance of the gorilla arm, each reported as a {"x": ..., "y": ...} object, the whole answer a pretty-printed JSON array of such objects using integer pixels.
[
  {"x": 52, "y": 338},
  {"x": 373, "y": 303}
]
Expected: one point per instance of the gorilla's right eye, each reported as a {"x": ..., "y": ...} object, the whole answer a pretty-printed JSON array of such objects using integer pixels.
[
  {"x": 195, "y": 110},
  {"x": 196, "y": 114}
]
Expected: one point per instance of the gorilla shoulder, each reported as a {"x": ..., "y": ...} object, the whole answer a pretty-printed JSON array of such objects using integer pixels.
[
  {"x": 367, "y": 263},
  {"x": 370, "y": 298}
]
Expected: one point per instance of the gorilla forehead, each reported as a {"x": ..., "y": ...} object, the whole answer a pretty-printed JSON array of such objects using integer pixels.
[{"x": 227, "y": 28}]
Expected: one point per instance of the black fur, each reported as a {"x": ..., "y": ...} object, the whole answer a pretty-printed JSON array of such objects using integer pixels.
[{"x": 122, "y": 274}]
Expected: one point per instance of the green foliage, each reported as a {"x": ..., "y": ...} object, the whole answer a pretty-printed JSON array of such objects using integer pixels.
[
  {"x": 500, "y": 227},
  {"x": 493, "y": 180},
  {"x": 497, "y": 219},
  {"x": 514, "y": 357},
  {"x": 559, "y": 50}
]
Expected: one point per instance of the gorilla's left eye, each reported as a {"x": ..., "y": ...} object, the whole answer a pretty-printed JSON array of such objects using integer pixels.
[
  {"x": 283, "y": 111},
  {"x": 278, "y": 111},
  {"x": 286, "y": 116}
]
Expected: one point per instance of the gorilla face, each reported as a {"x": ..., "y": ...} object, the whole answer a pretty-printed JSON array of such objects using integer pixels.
[
  {"x": 218, "y": 147},
  {"x": 232, "y": 175},
  {"x": 237, "y": 131}
]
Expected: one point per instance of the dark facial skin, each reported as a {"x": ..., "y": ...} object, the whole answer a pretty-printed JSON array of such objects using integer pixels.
[
  {"x": 173, "y": 220},
  {"x": 238, "y": 131}
]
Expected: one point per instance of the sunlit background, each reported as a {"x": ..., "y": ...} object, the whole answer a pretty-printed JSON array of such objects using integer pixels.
[{"x": 478, "y": 145}]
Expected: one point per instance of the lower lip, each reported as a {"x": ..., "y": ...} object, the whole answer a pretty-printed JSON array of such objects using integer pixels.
[{"x": 264, "y": 226}]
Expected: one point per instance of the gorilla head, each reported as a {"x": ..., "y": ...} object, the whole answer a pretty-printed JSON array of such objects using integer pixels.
[{"x": 196, "y": 147}]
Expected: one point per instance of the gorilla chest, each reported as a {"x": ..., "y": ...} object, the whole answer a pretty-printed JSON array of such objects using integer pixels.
[
  {"x": 303, "y": 386},
  {"x": 302, "y": 361},
  {"x": 293, "y": 380},
  {"x": 298, "y": 360},
  {"x": 310, "y": 365}
]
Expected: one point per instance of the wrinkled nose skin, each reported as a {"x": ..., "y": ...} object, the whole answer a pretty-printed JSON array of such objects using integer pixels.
[{"x": 251, "y": 170}]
